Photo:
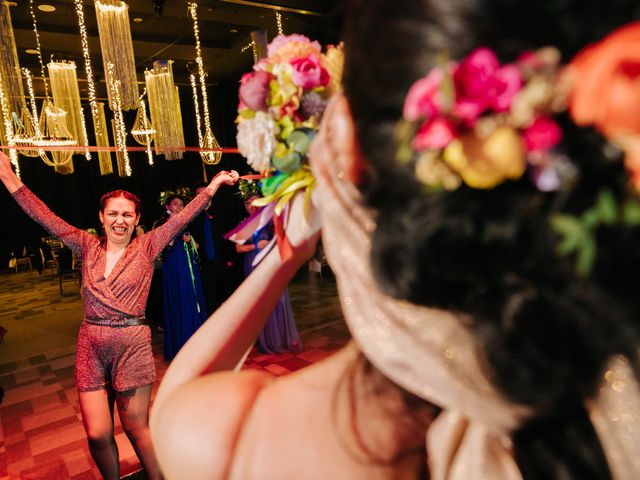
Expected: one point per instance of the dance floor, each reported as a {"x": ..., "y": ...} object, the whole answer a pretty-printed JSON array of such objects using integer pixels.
[{"x": 41, "y": 432}]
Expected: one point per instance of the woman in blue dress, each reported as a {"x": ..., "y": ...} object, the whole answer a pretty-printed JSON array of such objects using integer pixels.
[
  {"x": 184, "y": 305},
  {"x": 280, "y": 333}
]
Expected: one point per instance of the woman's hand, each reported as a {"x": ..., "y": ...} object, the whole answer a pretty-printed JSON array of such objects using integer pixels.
[
  {"x": 228, "y": 178},
  {"x": 262, "y": 244},
  {"x": 10, "y": 180},
  {"x": 303, "y": 228},
  {"x": 186, "y": 237}
]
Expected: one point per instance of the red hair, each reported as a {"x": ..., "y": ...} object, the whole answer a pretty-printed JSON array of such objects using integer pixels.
[{"x": 120, "y": 193}]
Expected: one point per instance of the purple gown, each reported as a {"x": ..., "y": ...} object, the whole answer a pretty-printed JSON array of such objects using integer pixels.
[{"x": 280, "y": 333}]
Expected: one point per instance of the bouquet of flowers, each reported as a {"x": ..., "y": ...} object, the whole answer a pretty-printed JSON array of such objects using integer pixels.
[{"x": 281, "y": 104}]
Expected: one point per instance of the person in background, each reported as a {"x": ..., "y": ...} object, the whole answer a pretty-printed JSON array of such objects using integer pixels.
[
  {"x": 114, "y": 361},
  {"x": 184, "y": 307},
  {"x": 280, "y": 333},
  {"x": 202, "y": 230},
  {"x": 484, "y": 239}
]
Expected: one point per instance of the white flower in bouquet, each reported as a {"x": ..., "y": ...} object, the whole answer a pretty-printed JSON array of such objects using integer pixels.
[{"x": 257, "y": 139}]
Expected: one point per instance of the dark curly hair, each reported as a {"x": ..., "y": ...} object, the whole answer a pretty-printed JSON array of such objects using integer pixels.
[{"x": 545, "y": 331}]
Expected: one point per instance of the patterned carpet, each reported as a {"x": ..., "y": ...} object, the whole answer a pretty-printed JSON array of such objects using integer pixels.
[{"x": 41, "y": 432}]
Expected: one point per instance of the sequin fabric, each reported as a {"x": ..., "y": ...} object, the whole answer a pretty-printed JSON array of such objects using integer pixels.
[{"x": 123, "y": 293}]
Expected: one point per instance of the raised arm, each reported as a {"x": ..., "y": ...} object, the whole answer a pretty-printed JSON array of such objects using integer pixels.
[
  {"x": 162, "y": 235},
  {"x": 71, "y": 236},
  {"x": 220, "y": 343}
]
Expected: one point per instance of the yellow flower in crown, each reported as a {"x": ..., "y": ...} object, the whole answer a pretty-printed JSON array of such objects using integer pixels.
[{"x": 486, "y": 163}]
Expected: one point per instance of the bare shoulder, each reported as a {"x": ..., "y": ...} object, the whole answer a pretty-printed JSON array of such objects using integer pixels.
[{"x": 194, "y": 434}]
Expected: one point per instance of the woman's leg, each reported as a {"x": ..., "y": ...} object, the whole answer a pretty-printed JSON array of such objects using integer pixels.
[
  {"x": 133, "y": 408},
  {"x": 97, "y": 415}
]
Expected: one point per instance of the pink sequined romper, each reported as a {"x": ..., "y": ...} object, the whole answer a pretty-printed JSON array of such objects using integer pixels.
[{"x": 109, "y": 355}]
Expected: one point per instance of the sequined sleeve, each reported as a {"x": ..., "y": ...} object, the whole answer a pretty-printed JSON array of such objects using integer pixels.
[
  {"x": 72, "y": 237},
  {"x": 161, "y": 236}
]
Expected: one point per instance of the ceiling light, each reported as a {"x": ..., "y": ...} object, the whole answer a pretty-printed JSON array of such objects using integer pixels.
[
  {"x": 46, "y": 8},
  {"x": 11, "y": 4},
  {"x": 137, "y": 20},
  {"x": 234, "y": 30},
  {"x": 31, "y": 51}
]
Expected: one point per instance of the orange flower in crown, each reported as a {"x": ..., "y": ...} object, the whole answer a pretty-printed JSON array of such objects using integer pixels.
[{"x": 605, "y": 91}]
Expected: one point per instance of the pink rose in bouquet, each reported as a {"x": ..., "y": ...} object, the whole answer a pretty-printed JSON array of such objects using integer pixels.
[
  {"x": 543, "y": 134},
  {"x": 254, "y": 90},
  {"x": 309, "y": 73}
]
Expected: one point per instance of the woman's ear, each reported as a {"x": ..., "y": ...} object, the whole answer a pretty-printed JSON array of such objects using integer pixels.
[
  {"x": 101, "y": 217},
  {"x": 341, "y": 136}
]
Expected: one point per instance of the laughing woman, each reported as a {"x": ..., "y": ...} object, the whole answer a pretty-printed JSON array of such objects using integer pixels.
[{"x": 114, "y": 361}]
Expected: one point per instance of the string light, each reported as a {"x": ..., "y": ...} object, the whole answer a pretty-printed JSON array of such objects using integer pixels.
[
  {"x": 91, "y": 87},
  {"x": 209, "y": 140},
  {"x": 279, "y": 23},
  {"x": 8, "y": 128},
  {"x": 121, "y": 132},
  {"x": 35, "y": 30},
  {"x": 34, "y": 107},
  {"x": 196, "y": 106},
  {"x": 246, "y": 47},
  {"x": 83, "y": 127}
]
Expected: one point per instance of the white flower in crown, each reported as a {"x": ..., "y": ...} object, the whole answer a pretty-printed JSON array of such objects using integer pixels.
[{"x": 257, "y": 139}]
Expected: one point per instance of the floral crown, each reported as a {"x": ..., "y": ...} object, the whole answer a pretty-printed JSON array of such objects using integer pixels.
[
  {"x": 184, "y": 193},
  {"x": 281, "y": 104},
  {"x": 481, "y": 123}
]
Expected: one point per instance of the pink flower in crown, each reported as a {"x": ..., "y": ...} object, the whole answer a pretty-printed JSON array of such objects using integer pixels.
[
  {"x": 309, "y": 73},
  {"x": 543, "y": 134},
  {"x": 481, "y": 83},
  {"x": 437, "y": 134},
  {"x": 254, "y": 90},
  {"x": 284, "y": 48},
  {"x": 424, "y": 97}
]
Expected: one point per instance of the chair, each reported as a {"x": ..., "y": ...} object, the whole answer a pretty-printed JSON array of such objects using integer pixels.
[
  {"x": 47, "y": 261},
  {"x": 64, "y": 265},
  {"x": 25, "y": 260}
]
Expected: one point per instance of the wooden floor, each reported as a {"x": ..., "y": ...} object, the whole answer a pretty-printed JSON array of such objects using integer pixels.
[{"x": 41, "y": 432}]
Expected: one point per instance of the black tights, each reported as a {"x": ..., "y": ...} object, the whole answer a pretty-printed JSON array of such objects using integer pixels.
[{"x": 133, "y": 408}]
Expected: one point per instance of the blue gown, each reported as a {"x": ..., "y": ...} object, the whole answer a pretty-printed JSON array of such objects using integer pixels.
[
  {"x": 184, "y": 304},
  {"x": 280, "y": 333}
]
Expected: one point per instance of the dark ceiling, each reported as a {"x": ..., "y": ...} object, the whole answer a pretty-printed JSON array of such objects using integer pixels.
[{"x": 225, "y": 29}]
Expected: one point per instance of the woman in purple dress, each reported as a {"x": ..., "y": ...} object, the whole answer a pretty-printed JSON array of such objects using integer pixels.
[{"x": 280, "y": 334}]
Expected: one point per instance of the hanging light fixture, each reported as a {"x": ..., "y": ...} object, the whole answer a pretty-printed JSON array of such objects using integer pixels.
[
  {"x": 9, "y": 66},
  {"x": 117, "y": 48},
  {"x": 143, "y": 131},
  {"x": 102, "y": 139},
  {"x": 120, "y": 132},
  {"x": 211, "y": 153},
  {"x": 24, "y": 133},
  {"x": 66, "y": 95},
  {"x": 164, "y": 107},
  {"x": 51, "y": 128}
]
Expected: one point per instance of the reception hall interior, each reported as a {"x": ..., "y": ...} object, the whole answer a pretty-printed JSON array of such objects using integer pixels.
[{"x": 141, "y": 96}]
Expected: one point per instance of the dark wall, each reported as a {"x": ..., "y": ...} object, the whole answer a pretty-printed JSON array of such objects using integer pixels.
[{"x": 75, "y": 197}]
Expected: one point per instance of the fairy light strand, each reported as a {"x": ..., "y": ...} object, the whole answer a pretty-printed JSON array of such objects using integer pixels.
[
  {"x": 193, "y": 9},
  {"x": 35, "y": 30},
  {"x": 34, "y": 107},
  {"x": 8, "y": 128},
  {"x": 121, "y": 132},
  {"x": 279, "y": 23},
  {"x": 85, "y": 138},
  {"x": 146, "y": 128},
  {"x": 196, "y": 106},
  {"x": 91, "y": 87}
]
